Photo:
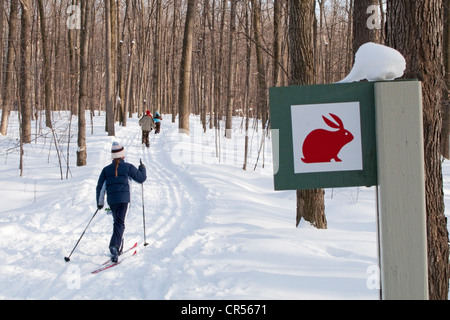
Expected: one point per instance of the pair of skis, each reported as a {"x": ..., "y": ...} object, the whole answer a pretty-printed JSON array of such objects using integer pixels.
[{"x": 124, "y": 255}]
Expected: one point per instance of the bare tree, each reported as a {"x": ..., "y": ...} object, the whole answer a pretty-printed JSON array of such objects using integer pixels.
[
  {"x": 185, "y": 68},
  {"x": 156, "y": 74},
  {"x": 247, "y": 103},
  {"x": 109, "y": 92},
  {"x": 310, "y": 203},
  {"x": 47, "y": 71},
  {"x": 277, "y": 41},
  {"x": 83, "y": 94},
  {"x": 9, "y": 73},
  {"x": 261, "y": 74},
  {"x": 72, "y": 44},
  {"x": 114, "y": 24},
  {"x": 25, "y": 60},
  {"x": 231, "y": 71},
  {"x": 176, "y": 10},
  {"x": 407, "y": 22}
]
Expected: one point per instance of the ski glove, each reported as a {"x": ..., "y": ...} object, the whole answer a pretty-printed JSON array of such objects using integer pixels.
[{"x": 141, "y": 165}]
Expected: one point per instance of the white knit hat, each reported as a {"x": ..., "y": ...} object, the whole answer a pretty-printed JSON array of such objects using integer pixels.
[{"x": 117, "y": 151}]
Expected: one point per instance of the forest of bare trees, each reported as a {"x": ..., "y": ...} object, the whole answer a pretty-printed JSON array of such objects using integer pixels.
[
  {"x": 216, "y": 59},
  {"x": 57, "y": 52}
]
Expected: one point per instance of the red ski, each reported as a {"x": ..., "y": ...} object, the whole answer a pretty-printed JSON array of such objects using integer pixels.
[{"x": 109, "y": 264}]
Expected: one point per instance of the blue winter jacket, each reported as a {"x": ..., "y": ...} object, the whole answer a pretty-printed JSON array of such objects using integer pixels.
[
  {"x": 157, "y": 118},
  {"x": 118, "y": 188}
]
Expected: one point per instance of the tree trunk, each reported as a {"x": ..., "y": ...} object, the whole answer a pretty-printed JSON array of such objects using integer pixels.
[
  {"x": 310, "y": 203},
  {"x": 247, "y": 103},
  {"x": 261, "y": 75},
  {"x": 73, "y": 64},
  {"x": 445, "y": 134},
  {"x": 173, "y": 45},
  {"x": 364, "y": 29},
  {"x": 127, "y": 104},
  {"x": 205, "y": 84},
  {"x": 155, "y": 102},
  {"x": 185, "y": 67},
  {"x": 219, "y": 71},
  {"x": 114, "y": 24},
  {"x": 277, "y": 38},
  {"x": 25, "y": 60},
  {"x": 8, "y": 84},
  {"x": 83, "y": 92},
  {"x": 120, "y": 69},
  {"x": 231, "y": 71},
  {"x": 415, "y": 28},
  {"x": 47, "y": 71},
  {"x": 3, "y": 15},
  {"x": 109, "y": 92}
]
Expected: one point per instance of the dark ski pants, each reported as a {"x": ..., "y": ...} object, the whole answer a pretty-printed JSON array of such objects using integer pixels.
[
  {"x": 145, "y": 139},
  {"x": 119, "y": 212}
]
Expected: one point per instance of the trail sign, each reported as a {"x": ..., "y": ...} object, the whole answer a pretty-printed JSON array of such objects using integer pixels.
[
  {"x": 326, "y": 135},
  {"x": 321, "y": 141}
]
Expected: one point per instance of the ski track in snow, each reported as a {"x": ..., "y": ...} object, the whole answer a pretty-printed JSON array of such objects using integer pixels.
[
  {"x": 175, "y": 204},
  {"x": 178, "y": 204}
]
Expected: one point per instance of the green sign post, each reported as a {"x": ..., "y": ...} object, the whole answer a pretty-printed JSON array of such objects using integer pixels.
[
  {"x": 362, "y": 134},
  {"x": 306, "y": 118}
]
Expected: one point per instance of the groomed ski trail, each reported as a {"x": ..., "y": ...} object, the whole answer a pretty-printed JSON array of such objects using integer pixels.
[{"x": 175, "y": 207}]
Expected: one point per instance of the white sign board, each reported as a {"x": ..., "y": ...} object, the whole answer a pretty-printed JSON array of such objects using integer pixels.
[{"x": 327, "y": 137}]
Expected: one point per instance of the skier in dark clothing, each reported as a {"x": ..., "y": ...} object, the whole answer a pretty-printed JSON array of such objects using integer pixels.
[{"x": 114, "y": 181}]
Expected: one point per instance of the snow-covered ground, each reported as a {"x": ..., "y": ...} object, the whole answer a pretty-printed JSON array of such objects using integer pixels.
[{"x": 214, "y": 230}]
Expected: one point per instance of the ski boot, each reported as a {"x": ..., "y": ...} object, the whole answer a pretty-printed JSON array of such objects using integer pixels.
[{"x": 114, "y": 254}]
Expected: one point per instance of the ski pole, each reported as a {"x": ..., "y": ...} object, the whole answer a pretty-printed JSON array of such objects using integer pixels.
[
  {"x": 143, "y": 216},
  {"x": 67, "y": 259},
  {"x": 143, "y": 211}
]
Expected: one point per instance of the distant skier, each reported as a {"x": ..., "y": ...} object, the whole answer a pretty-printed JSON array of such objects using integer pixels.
[
  {"x": 114, "y": 181},
  {"x": 147, "y": 124},
  {"x": 157, "y": 119}
]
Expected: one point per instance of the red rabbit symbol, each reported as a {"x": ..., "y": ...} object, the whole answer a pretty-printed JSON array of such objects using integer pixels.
[{"x": 324, "y": 146}]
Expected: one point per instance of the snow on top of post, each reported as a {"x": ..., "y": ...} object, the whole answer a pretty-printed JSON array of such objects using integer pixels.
[{"x": 376, "y": 62}]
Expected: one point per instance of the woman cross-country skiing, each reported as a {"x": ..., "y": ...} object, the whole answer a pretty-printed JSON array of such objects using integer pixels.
[{"x": 114, "y": 180}]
